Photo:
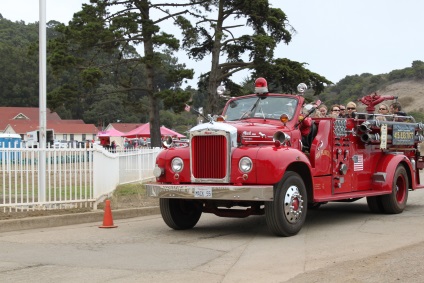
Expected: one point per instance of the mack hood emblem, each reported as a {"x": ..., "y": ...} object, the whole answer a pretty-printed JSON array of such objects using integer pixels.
[{"x": 216, "y": 129}]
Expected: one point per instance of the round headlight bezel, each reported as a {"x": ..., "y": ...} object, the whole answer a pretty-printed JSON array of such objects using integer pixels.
[
  {"x": 157, "y": 171},
  {"x": 245, "y": 164},
  {"x": 177, "y": 165}
]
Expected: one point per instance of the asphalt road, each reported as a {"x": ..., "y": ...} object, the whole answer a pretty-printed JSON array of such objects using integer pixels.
[{"x": 340, "y": 242}]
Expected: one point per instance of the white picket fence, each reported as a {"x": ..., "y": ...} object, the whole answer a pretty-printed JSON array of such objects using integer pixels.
[{"x": 74, "y": 177}]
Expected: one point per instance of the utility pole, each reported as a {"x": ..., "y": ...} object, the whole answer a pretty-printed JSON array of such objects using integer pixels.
[{"x": 42, "y": 103}]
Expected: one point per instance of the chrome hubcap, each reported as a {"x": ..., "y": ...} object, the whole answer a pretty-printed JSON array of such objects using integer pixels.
[{"x": 293, "y": 204}]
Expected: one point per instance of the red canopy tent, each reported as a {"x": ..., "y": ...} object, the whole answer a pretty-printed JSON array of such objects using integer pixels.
[
  {"x": 141, "y": 131},
  {"x": 105, "y": 137},
  {"x": 110, "y": 133},
  {"x": 164, "y": 131},
  {"x": 144, "y": 131}
]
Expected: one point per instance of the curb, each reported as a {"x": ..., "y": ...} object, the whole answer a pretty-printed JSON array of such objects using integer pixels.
[{"x": 71, "y": 219}]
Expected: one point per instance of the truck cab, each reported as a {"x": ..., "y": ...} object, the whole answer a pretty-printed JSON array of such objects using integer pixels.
[{"x": 265, "y": 155}]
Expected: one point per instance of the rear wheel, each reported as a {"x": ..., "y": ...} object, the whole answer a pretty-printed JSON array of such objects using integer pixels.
[
  {"x": 375, "y": 204},
  {"x": 180, "y": 214},
  {"x": 287, "y": 213},
  {"x": 396, "y": 201}
]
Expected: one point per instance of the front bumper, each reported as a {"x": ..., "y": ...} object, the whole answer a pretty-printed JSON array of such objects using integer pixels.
[{"x": 211, "y": 192}]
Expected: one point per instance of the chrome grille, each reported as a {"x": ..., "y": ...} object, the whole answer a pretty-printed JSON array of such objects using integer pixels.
[{"x": 209, "y": 157}]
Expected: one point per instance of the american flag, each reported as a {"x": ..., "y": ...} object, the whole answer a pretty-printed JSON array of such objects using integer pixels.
[{"x": 358, "y": 162}]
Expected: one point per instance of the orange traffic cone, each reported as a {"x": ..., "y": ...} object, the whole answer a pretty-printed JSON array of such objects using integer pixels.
[{"x": 107, "y": 217}]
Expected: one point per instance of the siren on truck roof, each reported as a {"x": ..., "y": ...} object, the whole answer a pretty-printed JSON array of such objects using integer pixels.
[{"x": 261, "y": 86}]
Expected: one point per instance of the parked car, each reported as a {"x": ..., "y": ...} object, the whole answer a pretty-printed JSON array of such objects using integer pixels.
[
  {"x": 72, "y": 144},
  {"x": 81, "y": 144},
  {"x": 60, "y": 144}
]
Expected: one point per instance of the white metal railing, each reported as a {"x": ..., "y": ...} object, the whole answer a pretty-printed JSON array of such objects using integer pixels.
[
  {"x": 75, "y": 177},
  {"x": 137, "y": 166}
]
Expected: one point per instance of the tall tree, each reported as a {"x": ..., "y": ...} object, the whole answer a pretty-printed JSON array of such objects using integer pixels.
[
  {"x": 19, "y": 69},
  {"x": 116, "y": 28},
  {"x": 220, "y": 31}
]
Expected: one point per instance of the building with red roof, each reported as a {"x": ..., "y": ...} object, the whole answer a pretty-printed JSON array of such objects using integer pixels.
[
  {"x": 21, "y": 120},
  {"x": 123, "y": 127}
]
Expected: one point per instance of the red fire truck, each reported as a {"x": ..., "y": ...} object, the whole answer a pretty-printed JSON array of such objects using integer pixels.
[{"x": 256, "y": 159}]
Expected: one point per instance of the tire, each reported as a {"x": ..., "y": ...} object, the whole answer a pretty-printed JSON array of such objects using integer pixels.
[
  {"x": 314, "y": 205},
  {"x": 396, "y": 201},
  {"x": 180, "y": 214},
  {"x": 287, "y": 213},
  {"x": 375, "y": 204}
]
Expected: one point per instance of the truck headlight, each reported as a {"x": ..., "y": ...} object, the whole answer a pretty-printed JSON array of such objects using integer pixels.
[
  {"x": 157, "y": 172},
  {"x": 177, "y": 165},
  {"x": 245, "y": 164}
]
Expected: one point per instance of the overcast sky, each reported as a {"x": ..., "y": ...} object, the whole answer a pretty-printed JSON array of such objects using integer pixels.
[{"x": 336, "y": 38}]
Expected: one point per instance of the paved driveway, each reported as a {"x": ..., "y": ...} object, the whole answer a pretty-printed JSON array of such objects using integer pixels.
[{"x": 340, "y": 242}]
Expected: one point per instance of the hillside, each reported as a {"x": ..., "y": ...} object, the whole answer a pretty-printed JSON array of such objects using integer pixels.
[{"x": 410, "y": 93}]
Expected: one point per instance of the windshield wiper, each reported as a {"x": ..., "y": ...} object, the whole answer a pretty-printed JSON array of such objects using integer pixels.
[{"x": 251, "y": 110}]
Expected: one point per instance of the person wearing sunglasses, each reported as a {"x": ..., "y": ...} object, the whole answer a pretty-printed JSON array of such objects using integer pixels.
[
  {"x": 342, "y": 113},
  {"x": 383, "y": 109},
  {"x": 351, "y": 109},
  {"x": 335, "y": 111}
]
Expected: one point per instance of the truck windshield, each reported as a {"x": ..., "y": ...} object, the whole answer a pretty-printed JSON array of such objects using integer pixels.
[{"x": 268, "y": 107}]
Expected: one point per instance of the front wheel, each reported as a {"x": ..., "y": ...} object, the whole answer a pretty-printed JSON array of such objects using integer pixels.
[
  {"x": 180, "y": 214},
  {"x": 396, "y": 201},
  {"x": 286, "y": 214}
]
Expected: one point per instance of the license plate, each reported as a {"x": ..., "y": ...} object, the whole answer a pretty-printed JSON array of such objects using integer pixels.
[{"x": 205, "y": 192}]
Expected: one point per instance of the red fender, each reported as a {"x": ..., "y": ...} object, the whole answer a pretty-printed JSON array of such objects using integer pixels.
[
  {"x": 272, "y": 163},
  {"x": 388, "y": 164},
  {"x": 163, "y": 160}
]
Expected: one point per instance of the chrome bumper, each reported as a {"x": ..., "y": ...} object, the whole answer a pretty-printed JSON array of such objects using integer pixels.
[{"x": 211, "y": 192}]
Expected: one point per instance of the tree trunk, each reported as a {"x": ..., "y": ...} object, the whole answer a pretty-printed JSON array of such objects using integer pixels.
[
  {"x": 215, "y": 74},
  {"x": 155, "y": 135}
]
